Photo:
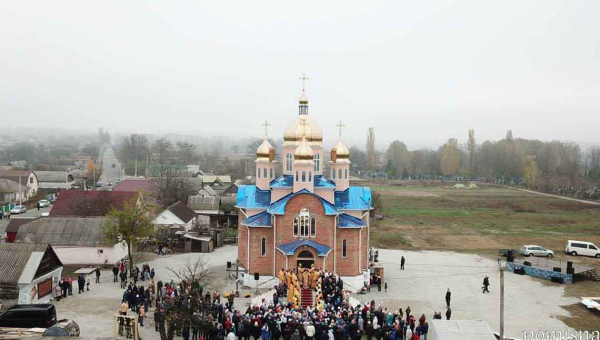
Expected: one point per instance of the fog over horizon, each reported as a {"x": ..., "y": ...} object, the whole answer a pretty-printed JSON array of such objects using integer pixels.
[{"x": 418, "y": 72}]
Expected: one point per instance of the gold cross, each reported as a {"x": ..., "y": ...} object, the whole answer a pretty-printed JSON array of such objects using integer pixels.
[
  {"x": 340, "y": 126},
  {"x": 266, "y": 127},
  {"x": 304, "y": 123},
  {"x": 304, "y": 79}
]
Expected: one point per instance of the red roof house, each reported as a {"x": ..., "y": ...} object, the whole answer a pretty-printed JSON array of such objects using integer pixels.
[
  {"x": 148, "y": 186},
  {"x": 90, "y": 203}
]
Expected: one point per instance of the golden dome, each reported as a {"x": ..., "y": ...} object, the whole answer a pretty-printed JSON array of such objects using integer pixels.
[
  {"x": 302, "y": 127},
  {"x": 303, "y": 98},
  {"x": 304, "y": 152},
  {"x": 265, "y": 150},
  {"x": 340, "y": 152}
]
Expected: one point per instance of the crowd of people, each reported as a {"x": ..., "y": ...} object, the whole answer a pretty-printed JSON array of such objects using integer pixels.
[{"x": 332, "y": 317}]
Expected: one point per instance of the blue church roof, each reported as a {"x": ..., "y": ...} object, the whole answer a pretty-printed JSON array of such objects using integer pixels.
[
  {"x": 349, "y": 221},
  {"x": 287, "y": 181},
  {"x": 250, "y": 197},
  {"x": 278, "y": 207},
  {"x": 290, "y": 248},
  {"x": 262, "y": 219},
  {"x": 354, "y": 198}
]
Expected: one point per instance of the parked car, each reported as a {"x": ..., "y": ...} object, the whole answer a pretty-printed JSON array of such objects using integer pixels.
[
  {"x": 533, "y": 250},
  {"x": 44, "y": 203},
  {"x": 63, "y": 328},
  {"x": 29, "y": 316},
  {"x": 53, "y": 200},
  {"x": 109, "y": 184},
  {"x": 113, "y": 165},
  {"x": 119, "y": 180},
  {"x": 98, "y": 184},
  {"x": 575, "y": 248},
  {"x": 18, "y": 209}
]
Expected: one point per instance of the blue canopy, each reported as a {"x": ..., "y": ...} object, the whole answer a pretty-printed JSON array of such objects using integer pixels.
[
  {"x": 250, "y": 197},
  {"x": 278, "y": 207},
  {"x": 262, "y": 219},
  {"x": 354, "y": 198},
  {"x": 290, "y": 248},
  {"x": 349, "y": 221}
]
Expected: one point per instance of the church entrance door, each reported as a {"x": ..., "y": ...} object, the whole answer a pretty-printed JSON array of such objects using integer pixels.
[{"x": 306, "y": 259}]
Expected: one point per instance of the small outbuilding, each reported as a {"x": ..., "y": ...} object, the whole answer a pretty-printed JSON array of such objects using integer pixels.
[
  {"x": 460, "y": 329},
  {"x": 28, "y": 273},
  {"x": 195, "y": 243}
]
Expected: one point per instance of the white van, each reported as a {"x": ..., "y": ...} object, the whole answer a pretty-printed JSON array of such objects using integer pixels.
[{"x": 582, "y": 248}]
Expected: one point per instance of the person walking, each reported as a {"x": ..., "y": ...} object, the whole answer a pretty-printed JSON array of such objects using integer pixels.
[
  {"x": 160, "y": 249},
  {"x": 448, "y": 297},
  {"x": 141, "y": 315},
  {"x": 97, "y": 274},
  {"x": 115, "y": 271},
  {"x": 386, "y": 287},
  {"x": 123, "y": 279},
  {"x": 402, "y": 260},
  {"x": 448, "y": 313},
  {"x": 80, "y": 284},
  {"x": 486, "y": 285}
]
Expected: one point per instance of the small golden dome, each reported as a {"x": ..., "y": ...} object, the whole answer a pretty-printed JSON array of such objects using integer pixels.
[
  {"x": 303, "y": 98},
  {"x": 304, "y": 152},
  {"x": 340, "y": 152},
  {"x": 265, "y": 150}
]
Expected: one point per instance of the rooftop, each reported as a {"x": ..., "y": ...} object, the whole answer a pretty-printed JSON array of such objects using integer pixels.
[{"x": 90, "y": 203}]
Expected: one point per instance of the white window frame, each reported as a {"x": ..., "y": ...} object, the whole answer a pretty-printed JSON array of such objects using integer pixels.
[
  {"x": 296, "y": 226},
  {"x": 313, "y": 227},
  {"x": 303, "y": 176},
  {"x": 288, "y": 162},
  {"x": 317, "y": 160}
]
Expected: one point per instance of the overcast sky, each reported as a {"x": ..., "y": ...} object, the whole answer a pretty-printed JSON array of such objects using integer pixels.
[{"x": 418, "y": 71}]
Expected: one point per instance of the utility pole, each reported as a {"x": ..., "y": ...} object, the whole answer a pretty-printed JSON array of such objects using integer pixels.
[
  {"x": 20, "y": 193},
  {"x": 501, "y": 300},
  {"x": 135, "y": 170}
]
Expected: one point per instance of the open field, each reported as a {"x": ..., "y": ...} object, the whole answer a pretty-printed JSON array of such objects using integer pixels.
[{"x": 483, "y": 220}]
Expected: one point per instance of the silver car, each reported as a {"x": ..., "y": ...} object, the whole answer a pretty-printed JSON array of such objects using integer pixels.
[
  {"x": 534, "y": 250},
  {"x": 18, "y": 209}
]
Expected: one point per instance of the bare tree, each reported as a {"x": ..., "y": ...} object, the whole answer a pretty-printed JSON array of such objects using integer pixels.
[{"x": 190, "y": 277}]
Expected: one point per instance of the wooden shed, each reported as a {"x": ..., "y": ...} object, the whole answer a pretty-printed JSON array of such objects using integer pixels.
[
  {"x": 195, "y": 243},
  {"x": 28, "y": 273}
]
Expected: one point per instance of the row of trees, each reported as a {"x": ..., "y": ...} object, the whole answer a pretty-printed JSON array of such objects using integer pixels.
[{"x": 536, "y": 164}]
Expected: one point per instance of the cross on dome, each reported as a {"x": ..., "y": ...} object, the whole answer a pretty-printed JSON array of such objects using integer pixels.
[
  {"x": 304, "y": 78},
  {"x": 266, "y": 127},
  {"x": 340, "y": 126}
]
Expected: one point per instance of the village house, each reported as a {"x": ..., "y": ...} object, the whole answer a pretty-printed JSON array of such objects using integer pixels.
[
  {"x": 77, "y": 241},
  {"x": 28, "y": 273},
  {"x": 27, "y": 180},
  {"x": 55, "y": 179},
  {"x": 9, "y": 192},
  {"x": 178, "y": 216},
  {"x": 301, "y": 218},
  {"x": 91, "y": 203}
]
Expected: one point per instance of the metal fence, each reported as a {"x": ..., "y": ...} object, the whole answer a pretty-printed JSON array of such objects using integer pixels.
[{"x": 230, "y": 240}]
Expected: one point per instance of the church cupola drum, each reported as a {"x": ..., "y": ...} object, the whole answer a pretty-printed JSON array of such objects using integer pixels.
[{"x": 301, "y": 217}]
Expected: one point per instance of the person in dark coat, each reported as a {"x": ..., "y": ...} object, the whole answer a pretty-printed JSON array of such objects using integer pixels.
[
  {"x": 115, "y": 271},
  {"x": 402, "y": 260},
  {"x": 448, "y": 296},
  {"x": 97, "y": 275},
  {"x": 448, "y": 313},
  {"x": 486, "y": 285},
  {"x": 81, "y": 283}
]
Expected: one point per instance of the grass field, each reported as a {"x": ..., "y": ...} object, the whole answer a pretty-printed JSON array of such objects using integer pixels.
[{"x": 434, "y": 216}]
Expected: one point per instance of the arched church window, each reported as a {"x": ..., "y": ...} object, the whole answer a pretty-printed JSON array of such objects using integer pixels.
[
  {"x": 272, "y": 174},
  {"x": 346, "y": 174},
  {"x": 257, "y": 172},
  {"x": 288, "y": 162},
  {"x": 304, "y": 223},
  {"x": 340, "y": 174},
  {"x": 265, "y": 173},
  {"x": 333, "y": 174},
  {"x": 317, "y": 159},
  {"x": 344, "y": 249},
  {"x": 313, "y": 227},
  {"x": 263, "y": 247},
  {"x": 296, "y": 220},
  {"x": 297, "y": 178},
  {"x": 303, "y": 176},
  {"x": 310, "y": 176}
]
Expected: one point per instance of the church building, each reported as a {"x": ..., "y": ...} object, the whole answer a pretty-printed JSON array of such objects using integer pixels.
[{"x": 299, "y": 214}]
